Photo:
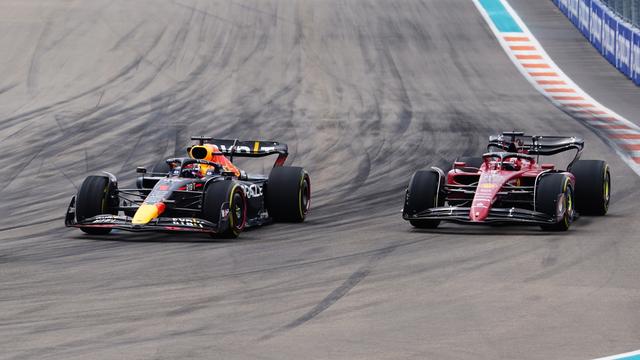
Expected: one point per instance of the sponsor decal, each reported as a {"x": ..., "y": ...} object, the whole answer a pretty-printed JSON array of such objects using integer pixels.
[
  {"x": 488, "y": 186},
  {"x": 585, "y": 12},
  {"x": 609, "y": 38},
  {"x": 187, "y": 222},
  {"x": 623, "y": 49},
  {"x": 596, "y": 25},
  {"x": 237, "y": 149},
  {"x": 105, "y": 219},
  {"x": 252, "y": 191},
  {"x": 192, "y": 186},
  {"x": 635, "y": 64},
  {"x": 242, "y": 149},
  {"x": 574, "y": 8}
]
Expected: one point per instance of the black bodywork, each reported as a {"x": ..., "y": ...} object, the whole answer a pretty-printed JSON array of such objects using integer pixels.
[{"x": 183, "y": 195}]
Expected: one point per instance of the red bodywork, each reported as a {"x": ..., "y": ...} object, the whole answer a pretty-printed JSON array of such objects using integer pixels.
[
  {"x": 493, "y": 177},
  {"x": 501, "y": 187}
]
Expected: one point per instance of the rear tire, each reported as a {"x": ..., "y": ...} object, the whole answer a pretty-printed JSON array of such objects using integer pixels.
[
  {"x": 288, "y": 194},
  {"x": 422, "y": 194},
  {"x": 218, "y": 193},
  {"x": 93, "y": 199},
  {"x": 550, "y": 189},
  {"x": 593, "y": 186}
]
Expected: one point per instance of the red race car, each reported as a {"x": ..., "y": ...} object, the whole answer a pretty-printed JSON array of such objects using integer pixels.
[{"x": 509, "y": 184}]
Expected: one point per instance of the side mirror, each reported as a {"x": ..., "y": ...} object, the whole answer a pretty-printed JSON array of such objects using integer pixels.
[{"x": 141, "y": 170}]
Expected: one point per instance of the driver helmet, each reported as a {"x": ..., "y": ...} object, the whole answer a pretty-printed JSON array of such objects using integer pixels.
[
  {"x": 191, "y": 171},
  {"x": 513, "y": 164}
]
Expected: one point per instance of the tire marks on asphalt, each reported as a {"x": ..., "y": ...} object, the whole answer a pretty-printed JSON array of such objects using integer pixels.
[{"x": 338, "y": 293}]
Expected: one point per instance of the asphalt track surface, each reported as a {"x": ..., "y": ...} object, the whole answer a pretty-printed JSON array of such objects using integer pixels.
[{"x": 365, "y": 93}]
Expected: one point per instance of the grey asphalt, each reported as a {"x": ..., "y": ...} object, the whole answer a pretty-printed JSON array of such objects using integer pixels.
[{"x": 365, "y": 93}]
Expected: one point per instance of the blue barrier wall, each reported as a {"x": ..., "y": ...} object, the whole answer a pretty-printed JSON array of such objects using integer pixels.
[
  {"x": 635, "y": 58},
  {"x": 609, "y": 29},
  {"x": 617, "y": 40},
  {"x": 584, "y": 16},
  {"x": 564, "y": 6},
  {"x": 595, "y": 28},
  {"x": 574, "y": 9},
  {"x": 623, "y": 48}
]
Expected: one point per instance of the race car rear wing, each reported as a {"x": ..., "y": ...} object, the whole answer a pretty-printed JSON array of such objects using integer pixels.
[
  {"x": 536, "y": 145},
  {"x": 247, "y": 148}
]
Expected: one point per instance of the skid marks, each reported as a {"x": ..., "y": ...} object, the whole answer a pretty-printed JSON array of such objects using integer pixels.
[{"x": 352, "y": 281}]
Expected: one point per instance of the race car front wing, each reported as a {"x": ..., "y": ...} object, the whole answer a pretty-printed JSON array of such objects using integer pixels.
[
  {"x": 122, "y": 222},
  {"x": 496, "y": 215}
]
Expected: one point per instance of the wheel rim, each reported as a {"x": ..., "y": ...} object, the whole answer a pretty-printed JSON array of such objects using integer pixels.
[
  {"x": 103, "y": 206},
  {"x": 305, "y": 197},
  {"x": 568, "y": 216},
  {"x": 607, "y": 188},
  {"x": 237, "y": 212}
]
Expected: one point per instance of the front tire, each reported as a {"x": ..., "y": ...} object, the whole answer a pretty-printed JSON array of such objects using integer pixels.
[
  {"x": 423, "y": 193},
  {"x": 593, "y": 186},
  {"x": 554, "y": 195},
  {"x": 215, "y": 196},
  {"x": 288, "y": 194},
  {"x": 93, "y": 199}
]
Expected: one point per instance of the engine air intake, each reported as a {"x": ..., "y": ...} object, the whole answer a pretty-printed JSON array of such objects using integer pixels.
[{"x": 199, "y": 152}]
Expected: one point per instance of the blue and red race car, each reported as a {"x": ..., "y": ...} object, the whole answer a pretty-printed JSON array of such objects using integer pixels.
[{"x": 203, "y": 192}]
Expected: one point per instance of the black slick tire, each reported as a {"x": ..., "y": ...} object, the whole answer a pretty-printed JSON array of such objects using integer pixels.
[
  {"x": 423, "y": 193},
  {"x": 93, "y": 199},
  {"x": 218, "y": 193},
  {"x": 288, "y": 194},
  {"x": 593, "y": 186},
  {"x": 551, "y": 189}
]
